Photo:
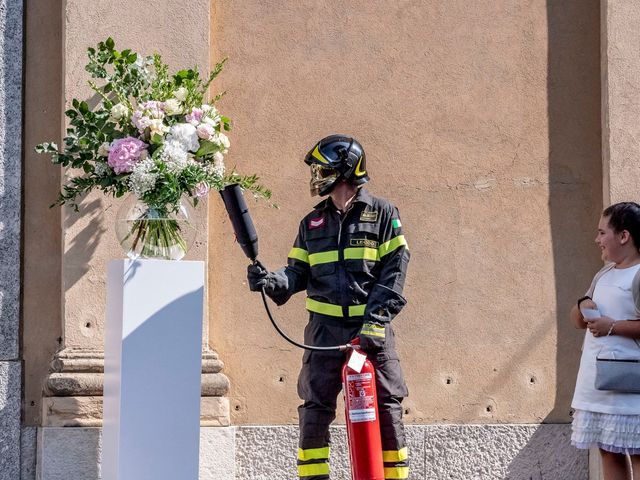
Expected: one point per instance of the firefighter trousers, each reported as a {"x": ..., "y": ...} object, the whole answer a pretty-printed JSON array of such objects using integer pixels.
[{"x": 319, "y": 384}]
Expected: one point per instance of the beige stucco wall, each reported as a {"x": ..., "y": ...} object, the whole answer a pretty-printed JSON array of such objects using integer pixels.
[{"x": 481, "y": 121}]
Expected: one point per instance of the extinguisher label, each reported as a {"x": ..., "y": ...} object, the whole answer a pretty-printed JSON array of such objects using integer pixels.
[{"x": 361, "y": 402}]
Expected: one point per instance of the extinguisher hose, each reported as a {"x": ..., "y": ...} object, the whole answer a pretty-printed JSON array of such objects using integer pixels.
[{"x": 340, "y": 348}]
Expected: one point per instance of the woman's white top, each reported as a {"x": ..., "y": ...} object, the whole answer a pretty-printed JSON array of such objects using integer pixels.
[{"x": 613, "y": 297}]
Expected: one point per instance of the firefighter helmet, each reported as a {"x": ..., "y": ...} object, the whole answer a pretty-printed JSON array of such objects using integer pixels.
[{"x": 335, "y": 158}]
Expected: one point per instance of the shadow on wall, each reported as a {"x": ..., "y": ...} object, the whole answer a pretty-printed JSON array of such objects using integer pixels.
[
  {"x": 575, "y": 202},
  {"x": 84, "y": 244}
]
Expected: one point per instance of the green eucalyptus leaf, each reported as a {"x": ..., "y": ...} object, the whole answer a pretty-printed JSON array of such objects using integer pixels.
[{"x": 207, "y": 148}]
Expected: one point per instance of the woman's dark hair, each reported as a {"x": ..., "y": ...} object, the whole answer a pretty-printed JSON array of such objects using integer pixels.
[{"x": 625, "y": 216}]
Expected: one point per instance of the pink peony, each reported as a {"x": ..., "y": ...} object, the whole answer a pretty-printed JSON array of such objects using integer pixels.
[
  {"x": 124, "y": 153},
  {"x": 201, "y": 190}
]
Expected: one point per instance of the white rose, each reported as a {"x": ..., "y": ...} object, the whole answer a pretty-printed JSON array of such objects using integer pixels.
[
  {"x": 117, "y": 112},
  {"x": 181, "y": 94},
  {"x": 211, "y": 121},
  {"x": 157, "y": 126},
  {"x": 103, "y": 150},
  {"x": 172, "y": 107},
  {"x": 206, "y": 107},
  {"x": 186, "y": 134},
  {"x": 224, "y": 140}
]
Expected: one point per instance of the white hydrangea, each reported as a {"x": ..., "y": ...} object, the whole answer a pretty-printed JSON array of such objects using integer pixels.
[
  {"x": 186, "y": 134},
  {"x": 143, "y": 179},
  {"x": 175, "y": 156}
]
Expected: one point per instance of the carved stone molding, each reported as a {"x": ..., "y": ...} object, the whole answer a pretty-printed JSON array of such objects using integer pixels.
[{"x": 73, "y": 390}]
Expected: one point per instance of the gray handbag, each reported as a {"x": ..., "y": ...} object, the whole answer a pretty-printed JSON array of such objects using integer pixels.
[
  {"x": 618, "y": 374},
  {"x": 613, "y": 374}
]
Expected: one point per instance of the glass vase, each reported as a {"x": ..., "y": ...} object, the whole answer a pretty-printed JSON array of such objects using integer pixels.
[{"x": 150, "y": 231}]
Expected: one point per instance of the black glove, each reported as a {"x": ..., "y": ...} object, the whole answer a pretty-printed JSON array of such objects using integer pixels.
[
  {"x": 257, "y": 276},
  {"x": 372, "y": 336}
]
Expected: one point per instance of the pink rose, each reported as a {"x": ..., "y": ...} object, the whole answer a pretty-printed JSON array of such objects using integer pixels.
[
  {"x": 124, "y": 153},
  {"x": 194, "y": 117},
  {"x": 201, "y": 190},
  {"x": 205, "y": 131}
]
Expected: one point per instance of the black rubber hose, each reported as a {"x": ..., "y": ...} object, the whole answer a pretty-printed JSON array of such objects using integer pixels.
[{"x": 340, "y": 348}]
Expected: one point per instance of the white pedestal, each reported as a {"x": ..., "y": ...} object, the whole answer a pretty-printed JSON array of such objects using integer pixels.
[{"x": 153, "y": 347}]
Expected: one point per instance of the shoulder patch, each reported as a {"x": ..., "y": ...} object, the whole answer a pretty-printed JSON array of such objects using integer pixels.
[
  {"x": 369, "y": 216},
  {"x": 316, "y": 222}
]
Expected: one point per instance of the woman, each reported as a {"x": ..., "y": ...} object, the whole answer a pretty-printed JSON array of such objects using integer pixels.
[{"x": 606, "y": 419}]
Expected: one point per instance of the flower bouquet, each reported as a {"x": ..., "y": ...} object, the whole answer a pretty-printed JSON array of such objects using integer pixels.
[{"x": 151, "y": 134}]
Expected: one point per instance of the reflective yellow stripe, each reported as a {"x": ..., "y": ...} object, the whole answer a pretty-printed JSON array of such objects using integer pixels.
[
  {"x": 313, "y": 453},
  {"x": 395, "y": 455},
  {"x": 299, "y": 254},
  {"x": 373, "y": 331},
  {"x": 323, "y": 257},
  {"x": 391, "y": 245},
  {"x": 316, "y": 154},
  {"x": 312, "y": 469},
  {"x": 333, "y": 310},
  {"x": 324, "y": 308},
  {"x": 361, "y": 253},
  {"x": 396, "y": 472}
]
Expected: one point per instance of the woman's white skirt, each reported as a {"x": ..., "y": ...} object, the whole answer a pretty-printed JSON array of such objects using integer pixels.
[{"x": 610, "y": 432}]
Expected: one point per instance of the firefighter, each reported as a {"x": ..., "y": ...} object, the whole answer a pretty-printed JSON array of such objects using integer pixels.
[{"x": 351, "y": 257}]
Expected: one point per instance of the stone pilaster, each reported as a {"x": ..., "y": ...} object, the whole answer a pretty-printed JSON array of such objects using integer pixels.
[
  {"x": 620, "y": 80},
  {"x": 73, "y": 390},
  {"x": 620, "y": 76}
]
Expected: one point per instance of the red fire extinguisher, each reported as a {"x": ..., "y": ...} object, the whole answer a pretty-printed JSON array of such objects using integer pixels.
[{"x": 363, "y": 422}]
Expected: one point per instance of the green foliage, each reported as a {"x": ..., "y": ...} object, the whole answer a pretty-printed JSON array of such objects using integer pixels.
[{"x": 127, "y": 85}]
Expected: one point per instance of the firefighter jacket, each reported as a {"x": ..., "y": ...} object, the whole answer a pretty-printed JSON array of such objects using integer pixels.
[{"x": 353, "y": 265}]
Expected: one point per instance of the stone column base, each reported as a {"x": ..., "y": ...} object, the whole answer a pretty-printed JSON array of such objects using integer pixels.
[
  {"x": 73, "y": 390},
  {"x": 452, "y": 452}
]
